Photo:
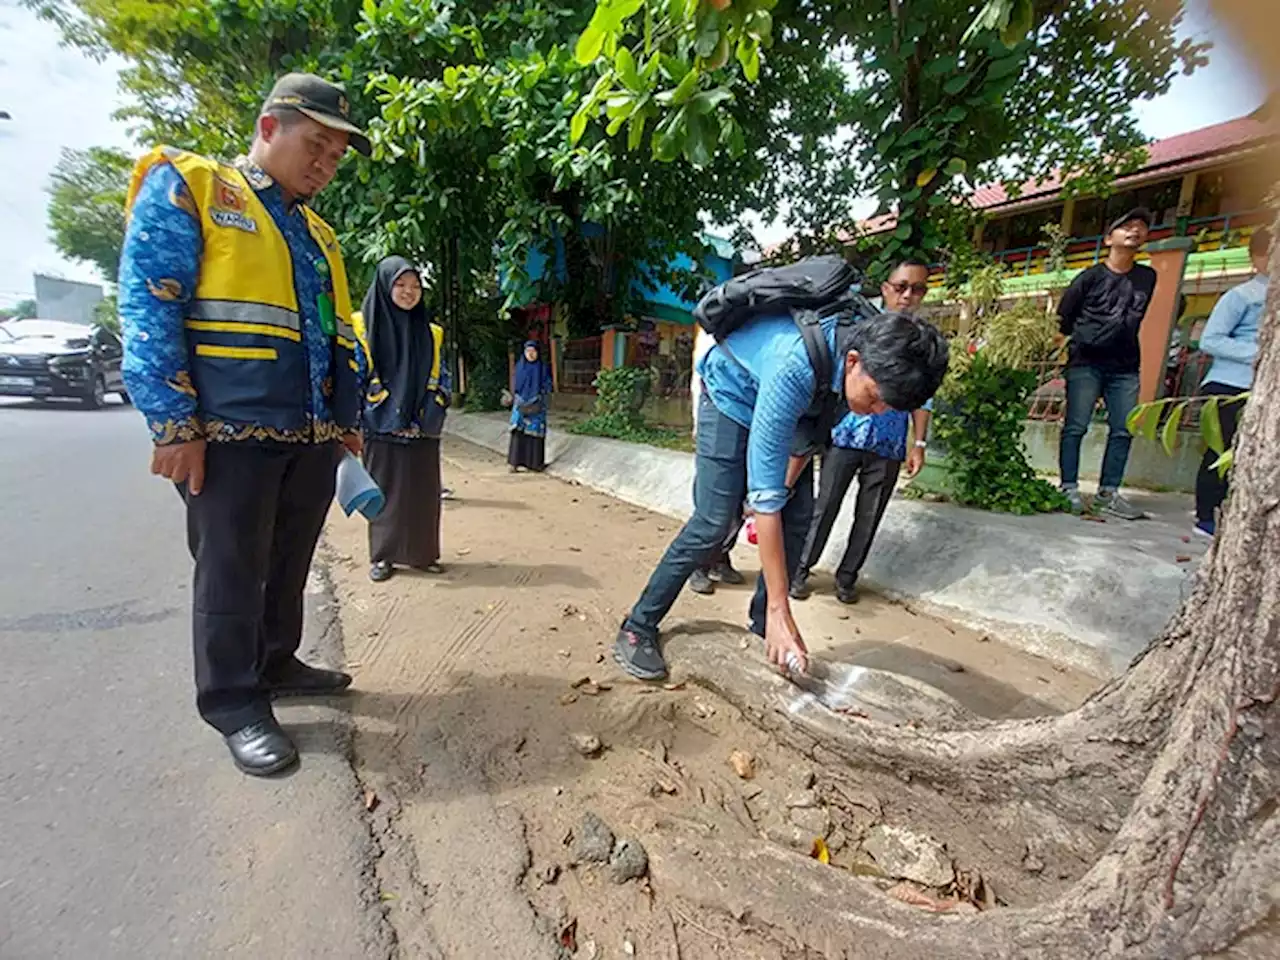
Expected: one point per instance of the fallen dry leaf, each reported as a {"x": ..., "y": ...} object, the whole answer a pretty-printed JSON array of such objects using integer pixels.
[
  {"x": 905, "y": 893},
  {"x": 568, "y": 698},
  {"x": 1182, "y": 558},
  {"x": 744, "y": 765},
  {"x": 580, "y": 682},
  {"x": 820, "y": 851},
  {"x": 663, "y": 785},
  {"x": 370, "y": 800},
  {"x": 591, "y": 689},
  {"x": 673, "y": 686},
  {"x": 569, "y": 935}
]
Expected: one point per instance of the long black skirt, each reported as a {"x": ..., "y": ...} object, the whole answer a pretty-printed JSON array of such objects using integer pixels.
[
  {"x": 527, "y": 451},
  {"x": 407, "y": 531}
]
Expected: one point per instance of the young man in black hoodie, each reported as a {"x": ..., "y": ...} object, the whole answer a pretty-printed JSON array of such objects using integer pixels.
[{"x": 1101, "y": 312}]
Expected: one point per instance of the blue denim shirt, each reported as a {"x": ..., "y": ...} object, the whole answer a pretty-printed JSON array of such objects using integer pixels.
[
  {"x": 159, "y": 269},
  {"x": 1231, "y": 335},
  {"x": 763, "y": 381}
]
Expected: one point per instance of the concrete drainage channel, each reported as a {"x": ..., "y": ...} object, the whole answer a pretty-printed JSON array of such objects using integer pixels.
[{"x": 1089, "y": 596}]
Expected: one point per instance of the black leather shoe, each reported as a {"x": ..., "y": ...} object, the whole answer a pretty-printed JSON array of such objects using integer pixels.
[
  {"x": 800, "y": 589},
  {"x": 262, "y": 748},
  {"x": 847, "y": 594},
  {"x": 297, "y": 679},
  {"x": 381, "y": 572}
]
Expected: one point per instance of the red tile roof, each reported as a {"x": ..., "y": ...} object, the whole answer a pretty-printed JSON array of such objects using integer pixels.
[{"x": 1173, "y": 154}]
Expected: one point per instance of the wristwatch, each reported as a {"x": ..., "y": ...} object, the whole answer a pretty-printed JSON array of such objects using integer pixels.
[{"x": 922, "y": 444}]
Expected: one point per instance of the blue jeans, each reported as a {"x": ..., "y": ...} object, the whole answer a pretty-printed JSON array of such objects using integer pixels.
[
  {"x": 719, "y": 487},
  {"x": 1119, "y": 391}
]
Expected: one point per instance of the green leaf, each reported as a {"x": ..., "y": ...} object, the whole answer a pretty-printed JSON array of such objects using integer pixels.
[
  {"x": 1211, "y": 426},
  {"x": 956, "y": 166},
  {"x": 1021, "y": 19},
  {"x": 1224, "y": 462},
  {"x": 370, "y": 8},
  {"x": 903, "y": 232},
  {"x": 1169, "y": 435},
  {"x": 1144, "y": 418},
  {"x": 924, "y": 176},
  {"x": 708, "y": 100},
  {"x": 955, "y": 115},
  {"x": 635, "y": 130},
  {"x": 578, "y": 126},
  {"x": 626, "y": 66},
  {"x": 749, "y": 57},
  {"x": 732, "y": 135},
  {"x": 941, "y": 65},
  {"x": 708, "y": 35},
  {"x": 668, "y": 139},
  {"x": 955, "y": 84},
  {"x": 686, "y": 88},
  {"x": 699, "y": 141},
  {"x": 589, "y": 44}
]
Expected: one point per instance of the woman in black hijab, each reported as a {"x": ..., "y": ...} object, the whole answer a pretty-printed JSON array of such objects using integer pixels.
[{"x": 404, "y": 409}]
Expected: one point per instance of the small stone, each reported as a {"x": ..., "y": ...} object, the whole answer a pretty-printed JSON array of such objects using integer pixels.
[
  {"x": 587, "y": 744},
  {"x": 803, "y": 779},
  {"x": 744, "y": 765},
  {"x": 803, "y": 799},
  {"x": 814, "y": 821},
  {"x": 837, "y": 841},
  {"x": 751, "y": 790},
  {"x": 550, "y": 873},
  {"x": 629, "y": 861},
  {"x": 599, "y": 658},
  {"x": 565, "y": 654},
  {"x": 905, "y": 855},
  {"x": 593, "y": 840}
]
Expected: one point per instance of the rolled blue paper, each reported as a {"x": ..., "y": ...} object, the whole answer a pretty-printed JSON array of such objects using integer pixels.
[{"x": 356, "y": 489}]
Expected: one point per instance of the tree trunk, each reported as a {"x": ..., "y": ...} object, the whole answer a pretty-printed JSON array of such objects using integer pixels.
[{"x": 1178, "y": 760}]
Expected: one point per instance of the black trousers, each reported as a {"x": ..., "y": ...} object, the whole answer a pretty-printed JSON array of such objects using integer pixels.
[
  {"x": 1211, "y": 489},
  {"x": 252, "y": 532},
  {"x": 876, "y": 477}
]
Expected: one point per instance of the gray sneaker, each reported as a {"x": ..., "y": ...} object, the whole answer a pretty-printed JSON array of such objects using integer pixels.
[
  {"x": 639, "y": 655},
  {"x": 700, "y": 582},
  {"x": 1074, "y": 499},
  {"x": 1117, "y": 506}
]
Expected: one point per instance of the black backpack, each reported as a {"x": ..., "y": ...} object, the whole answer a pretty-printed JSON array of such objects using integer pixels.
[{"x": 810, "y": 290}]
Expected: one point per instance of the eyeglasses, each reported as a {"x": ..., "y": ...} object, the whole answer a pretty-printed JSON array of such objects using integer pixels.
[{"x": 901, "y": 287}]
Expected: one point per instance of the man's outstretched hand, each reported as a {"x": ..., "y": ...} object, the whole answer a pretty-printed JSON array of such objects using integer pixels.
[
  {"x": 181, "y": 463},
  {"x": 782, "y": 637}
]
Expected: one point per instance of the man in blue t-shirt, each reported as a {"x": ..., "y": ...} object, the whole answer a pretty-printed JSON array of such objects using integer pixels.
[
  {"x": 757, "y": 387},
  {"x": 870, "y": 448}
]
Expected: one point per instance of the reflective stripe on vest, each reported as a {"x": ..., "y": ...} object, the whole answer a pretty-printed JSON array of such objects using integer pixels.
[{"x": 233, "y": 316}]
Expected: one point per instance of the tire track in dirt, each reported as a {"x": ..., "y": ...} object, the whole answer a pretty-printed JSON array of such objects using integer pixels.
[{"x": 466, "y": 640}]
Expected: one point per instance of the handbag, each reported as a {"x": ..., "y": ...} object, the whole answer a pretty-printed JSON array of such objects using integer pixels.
[{"x": 530, "y": 408}]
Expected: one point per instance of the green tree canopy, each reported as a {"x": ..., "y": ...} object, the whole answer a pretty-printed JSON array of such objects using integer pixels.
[{"x": 86, "y": 206}]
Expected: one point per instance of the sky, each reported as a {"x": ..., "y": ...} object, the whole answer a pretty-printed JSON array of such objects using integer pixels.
[{"x": 58, "y": 98}]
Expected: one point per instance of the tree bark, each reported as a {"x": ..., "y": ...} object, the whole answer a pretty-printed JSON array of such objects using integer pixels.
[{"x": 1181, "y": 756}]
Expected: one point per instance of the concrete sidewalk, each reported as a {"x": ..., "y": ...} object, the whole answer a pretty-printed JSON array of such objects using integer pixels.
[{"x": 1081, "y": 592}]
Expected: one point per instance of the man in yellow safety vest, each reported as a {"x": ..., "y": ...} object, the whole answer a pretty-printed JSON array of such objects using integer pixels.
[{"x": 239, "y": 352}]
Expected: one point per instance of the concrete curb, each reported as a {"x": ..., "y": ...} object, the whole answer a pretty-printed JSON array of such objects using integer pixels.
[{"x": 1091, "y": 595}]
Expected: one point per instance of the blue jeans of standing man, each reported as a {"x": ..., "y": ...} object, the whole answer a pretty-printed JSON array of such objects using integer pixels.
[
  {"x": 1119, "y": 391},
  {"x": 719, "y": 487}
]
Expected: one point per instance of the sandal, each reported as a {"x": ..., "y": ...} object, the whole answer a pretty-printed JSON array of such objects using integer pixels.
[{"x": 433, "y": 568}]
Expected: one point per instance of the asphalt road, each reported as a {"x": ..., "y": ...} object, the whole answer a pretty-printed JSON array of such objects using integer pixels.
[{"x": 124, "y": 829}]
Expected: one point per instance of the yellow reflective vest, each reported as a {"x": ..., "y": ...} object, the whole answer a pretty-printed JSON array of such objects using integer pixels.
[
  {"x": 244, "y": 326},
  {"x": 377, "y": 418}
]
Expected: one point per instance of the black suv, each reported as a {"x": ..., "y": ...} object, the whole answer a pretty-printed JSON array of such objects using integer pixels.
[{"x": 44, "y": 359}]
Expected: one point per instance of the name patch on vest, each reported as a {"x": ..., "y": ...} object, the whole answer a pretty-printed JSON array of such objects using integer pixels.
[{"x": 237, "y": 221}]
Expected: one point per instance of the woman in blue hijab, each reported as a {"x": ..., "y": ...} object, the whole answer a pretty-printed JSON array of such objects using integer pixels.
[{"x": 532, "y": 393}]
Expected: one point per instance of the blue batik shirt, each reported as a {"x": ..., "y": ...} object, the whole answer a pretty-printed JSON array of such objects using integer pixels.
[
  {"x": 159, "y": 270},
  {"x": 884, "y": 434}
]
